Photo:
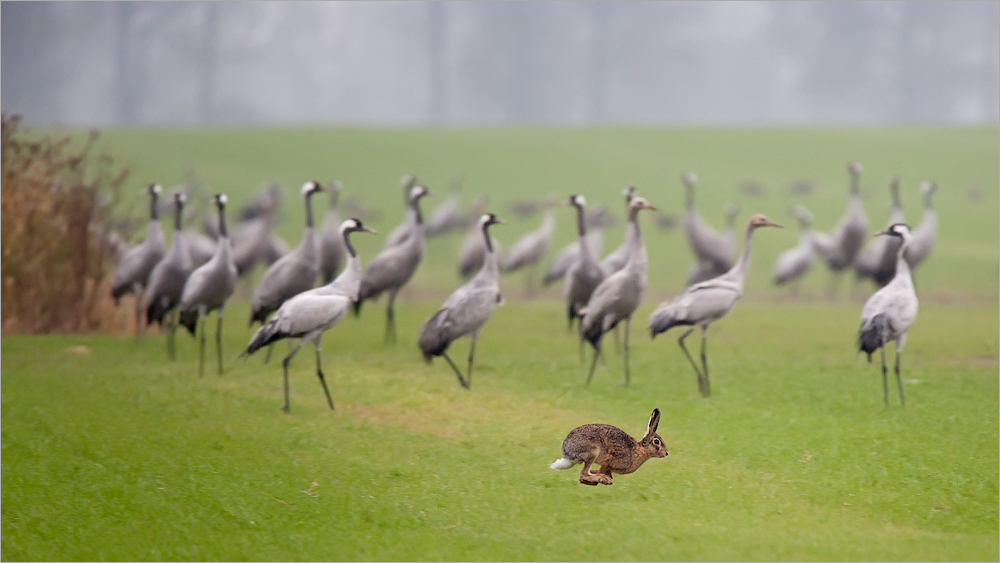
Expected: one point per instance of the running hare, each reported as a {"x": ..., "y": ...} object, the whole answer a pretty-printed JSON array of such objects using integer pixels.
[{"x": 611, "y": 448}]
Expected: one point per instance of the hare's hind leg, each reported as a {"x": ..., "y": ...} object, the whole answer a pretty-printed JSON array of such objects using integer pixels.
[
  {"x": 588, "y": 477},
  {"x": 604, "y": 475}
]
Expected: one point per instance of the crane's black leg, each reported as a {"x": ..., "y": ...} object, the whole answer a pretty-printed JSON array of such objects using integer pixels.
[
  {"x": 284, "y": 366},
  {"x": 701, "y": 382},
  {"x": 171, "y": 333},
  {"x": 899, "y": 379},
  {"x": 704, "y": 362},
  {"x": 319, "y": 370},
  {"x": 628, "y": 329},
  {"x": 201, "y": 344},
  {"x": 597, "y": 354},
  {"x": 461, "y": 380},
  {"x": 472, "y": 354},
  {"x": 218, "y": 336},
  {"x": 390, "y": 320},
  {"x": 885, "y": 377},
  {"x": 137, "y": 291}
]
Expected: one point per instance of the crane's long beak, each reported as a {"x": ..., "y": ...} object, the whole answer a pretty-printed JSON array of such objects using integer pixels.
[
  {"x": 880, "y": 233},
  {"x": 370, "y": 230}
]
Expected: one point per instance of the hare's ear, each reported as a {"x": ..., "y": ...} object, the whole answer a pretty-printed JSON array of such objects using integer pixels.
[{"x": 654, "y": 421}]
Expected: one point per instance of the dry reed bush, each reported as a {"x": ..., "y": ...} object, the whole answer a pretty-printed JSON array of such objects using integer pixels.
[{"x": 55, "y": 271}]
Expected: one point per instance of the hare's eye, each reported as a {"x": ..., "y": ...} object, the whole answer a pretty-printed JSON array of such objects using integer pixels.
[{"x": 656, "y": 441}]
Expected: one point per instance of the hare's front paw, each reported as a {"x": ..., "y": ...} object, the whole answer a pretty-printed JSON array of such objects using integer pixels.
[
  {"x": 592, "y": 480},
  {"x": 606, "y": 479}
]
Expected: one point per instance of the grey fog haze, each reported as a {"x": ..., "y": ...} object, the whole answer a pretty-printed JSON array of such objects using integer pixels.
[{"x": 419, "y": 62}]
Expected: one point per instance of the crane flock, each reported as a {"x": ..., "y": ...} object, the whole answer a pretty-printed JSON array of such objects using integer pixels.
[{"x": 198, "y": 273}]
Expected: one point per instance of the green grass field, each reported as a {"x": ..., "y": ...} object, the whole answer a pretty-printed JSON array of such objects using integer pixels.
[{"x": 111, "y": 452}]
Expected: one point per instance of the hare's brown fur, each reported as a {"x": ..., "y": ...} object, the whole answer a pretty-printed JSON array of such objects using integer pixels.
[{"x": 612, "y": 449}]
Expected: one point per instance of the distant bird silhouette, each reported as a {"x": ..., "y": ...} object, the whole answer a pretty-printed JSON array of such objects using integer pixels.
[
  {"x": 294, "y": 272},
  {"x": 713, "y": 252},
  {"x": 924, "y": 236},
  {"x": 208, "y": 288},
  {"x": 889, "y": 313},
  {"x": 618, "y": 296},
  {"x": 472, "y": 253},
  {"x": 402, "y": 231},
  {"x": 726, "y": 246},
  {"x": 166, "y": 282},
  {"x": 133, "y": 270},
  {"x": 878, "y": 260},
  {"x": 466, "y": 310},
  {"x": 309, "y": 314},
  {"x": 448, "y": 215},
  {"x": 392, "y": 268},
  {"x": 706, "y": 302},
  {"x": 615, "y": 260},
  {"x": 530, "y": 248},
  {"x": 585, "y": 274},
  {"x": 794, "y": 263},
  {"x": 840, "y": 247}
]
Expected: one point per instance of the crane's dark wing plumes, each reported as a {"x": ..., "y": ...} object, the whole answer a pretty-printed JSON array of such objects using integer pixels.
[
  {"x": 189, "y": 320},
  {"x": 871, "y": 336},
  {"x": 433, "y": 339},
  {"x": 265, "y": 335}
]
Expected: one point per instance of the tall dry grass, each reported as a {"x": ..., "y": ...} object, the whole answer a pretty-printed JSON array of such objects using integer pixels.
[{"x": 55, "y": 269}]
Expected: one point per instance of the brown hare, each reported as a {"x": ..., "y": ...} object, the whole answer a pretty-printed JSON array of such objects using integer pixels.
[{"x": 611, "y": 448}]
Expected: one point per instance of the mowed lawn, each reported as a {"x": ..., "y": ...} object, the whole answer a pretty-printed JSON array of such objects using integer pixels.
[
  {"x": 116, "y": 453},
  {"x": 112, "y": 452}
]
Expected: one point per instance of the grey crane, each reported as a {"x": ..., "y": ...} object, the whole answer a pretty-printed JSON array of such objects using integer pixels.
[
  {"x": 839, "y": 248},
  {"x": 618, "y": 296},
  {"x": 726, "y": 243},
  {"x": 394, "y": 266},
  {"x": 402, "y": 231},
  {"x": 877, "y": 261},
  {"x": 267, "y": 199},
  {"x": 208, "y": 288},
  {"x": 253, "y": 243},
  {"x": 132, "y": 273},
  {"x": 200, "y": 247},
  {"x": 568, "y": 255},
  {"x": 889, "y": 312},
  {"x": 466, "y": 310},
  {"x": 706, "y": 244},
  {"x": 309, "y": 314},
  {"x": 472, "y": 252},
  {"x": 166, "y": 282},
  {"x": 924, "y": 236},
  {"x": 585, "y": 274},
  {"x": 795, "y": 262},
  {"x": 331, "y": 242},
  {"x": 294, "y": 272},
  {"x": 528, "y": 250},
  {"x": 616, "y": 259},
  {"x": 706, "y": 302},
  {"x": 447, "y": 216}
]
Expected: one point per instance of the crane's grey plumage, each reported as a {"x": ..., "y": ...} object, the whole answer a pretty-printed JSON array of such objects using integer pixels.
[
  {"x": 200, "y": 247},
  {"x": 254, "y": 243},
  {"x": 568, "y": 255},
  {"x": 309, "y": 314},
  {"x": 448, "y": 215},
  {"x": 725, "y": 244},
  {"x": 209, "y": 287},
  {"x": 331, "y": 242},
  {"x": 466, "y": 310},
  {"x": 703, "y": 303},
  {"x": 889, "y": 312},
  {"x": 394, "y": 266},
  {"x": 707, "y": 245},
  {"x": 877, "y": 261},
  {"x": 923, "y": 238},
  {"x": 795, "y": 262},
  {"x": 267, "y": 199},
  {"x": 839, "y": 248},
  {"x": 616, "y": 259},
  {"x": 294, "y": 272},
  {"x": 472, "y": 253},
  {"x": 617, "y": 297},
  {"x": 133, "y": 270},
  {"x": 585, "y": 274},
  {"x": 166, "y": 282},
  {"x": 528, "y": 250},
  {"x": 402, "y": 231}
]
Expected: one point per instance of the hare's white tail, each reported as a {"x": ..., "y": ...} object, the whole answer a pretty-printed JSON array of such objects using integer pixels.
[{"x": 562, "y": 463}]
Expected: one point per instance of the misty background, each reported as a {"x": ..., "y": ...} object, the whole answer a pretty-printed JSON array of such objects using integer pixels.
[{"x": 413, "y": 62}]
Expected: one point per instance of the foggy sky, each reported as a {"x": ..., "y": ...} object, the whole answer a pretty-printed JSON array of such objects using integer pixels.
[{"x": 101, "y": 63}]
